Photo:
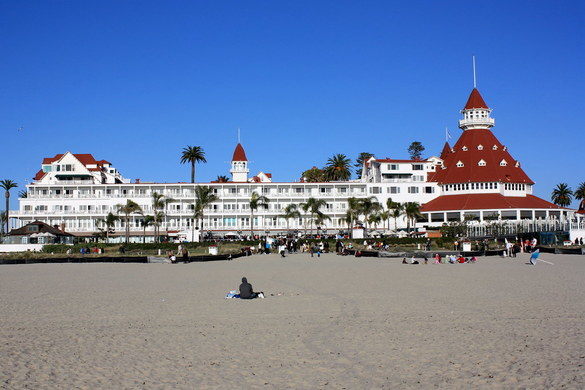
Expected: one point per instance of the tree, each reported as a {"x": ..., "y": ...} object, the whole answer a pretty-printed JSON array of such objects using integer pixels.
[
  {"x": 313, "y": 206},
  {"x": 359, "y": 162},
  {"x": 374, "y": 219},
  {"x": 415, "y": 150},
  {"x": 314, "y": 175},
  {"x": 396, "y": 212},
  {"x": 562, "y": 195},
  {"x": 256, "y": 202},
  {"x": 412, "y": 212},
  {"x": 580, "y": 195},
  {"x": 291, "y": 211},
  {"x": 367, "y": 206},
  {"x": 385, "y": 216},
  {"x": 108, "y": 225},
  {"x": 320, "y": 218},
  {"x": 353, "y": 213},
  {"x": 222, "y": 179},
  {"x": 193, "y": 154},
  {"x": 2, "y": 222},
  {"x": 204, "y": 196},
  {"x": 147, "y": 221},
  {"x": 128, "y": 209},
  {"x": 338, "y": 168},
  {"x": 23, "y": 194},
  {"x": 159, "y": 207},
  {"x": 7, "y": 185}
]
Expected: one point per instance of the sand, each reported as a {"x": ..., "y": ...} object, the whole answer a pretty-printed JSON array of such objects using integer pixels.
[{"x": 341, "y": 322}]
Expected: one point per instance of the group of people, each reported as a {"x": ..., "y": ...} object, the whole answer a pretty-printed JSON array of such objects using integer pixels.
[{"x": 181, "y": 253}]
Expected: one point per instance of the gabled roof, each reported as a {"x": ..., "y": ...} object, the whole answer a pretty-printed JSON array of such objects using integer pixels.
[
  {"x": 239, "y": 153},
  {"x": 475, "y": 100},
  {"x": 391, "y": 160},
  {"x": 480, "y": 146},
  {"x": 486, "y": 202},
  {"x": 43, "y": 228}
]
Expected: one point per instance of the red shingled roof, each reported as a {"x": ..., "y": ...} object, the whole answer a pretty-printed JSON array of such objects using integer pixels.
[
  {"x": 446, "y": 150},
  {"x": 239, "y": 153},
  {"x": 39, "y": 175},
  {"x": 486, "y": 202},
  {"x": 391, "y": 160},
  {"x": 471, "y": 171},
  {"x": 475, "y": 100}
]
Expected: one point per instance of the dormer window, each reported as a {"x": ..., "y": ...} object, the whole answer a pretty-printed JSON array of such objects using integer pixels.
[
  {"x": 517, "y": 164},
  {"x": 495, "y": 147},
  {"x": 459, "y": 164},
  {"x": 464, "y": 148},
  {"x": 503, "y": 163},
  {"x": 479, "y": 147},
  {"x": 482, "y": 163},
  {"x": 505, "y": 148}
]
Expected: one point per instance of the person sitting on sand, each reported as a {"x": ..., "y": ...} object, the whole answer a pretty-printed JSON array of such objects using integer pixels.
[{"x": 247, "y": 292}]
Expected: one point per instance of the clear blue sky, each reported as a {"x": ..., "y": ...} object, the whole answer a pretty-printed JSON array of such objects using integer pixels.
[{"x": 133, "y": 82}]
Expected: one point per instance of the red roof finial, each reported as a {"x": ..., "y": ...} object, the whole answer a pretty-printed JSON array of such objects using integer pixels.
[
  {"x": 475, "y": 100},
  {"x": 239, "y": 153}
]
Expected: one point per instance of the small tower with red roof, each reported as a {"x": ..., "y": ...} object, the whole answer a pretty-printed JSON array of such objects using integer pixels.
[
  {"x": 239, "y": 165},
  {"x": 476, "y": 114}
]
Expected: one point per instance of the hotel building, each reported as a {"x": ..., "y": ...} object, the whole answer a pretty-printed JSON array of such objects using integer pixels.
[{"x": 475, "y": 179}]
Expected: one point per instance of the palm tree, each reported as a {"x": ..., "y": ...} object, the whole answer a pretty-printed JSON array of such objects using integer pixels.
[
  {"x": 7, "y": 185},
  {"x": 109, "y": 222},
  {"x": 290, "y": 211},
  {"x": 2, "y": 222},
  {"x": 562, "y": 195},
  {"x": 193, "y": 154},
  {"x": 159, "y": 207},
  {"x": 312, "y": 206},
  {"x": 204, "y": 196},
  {"x": 580, "y": 195},
  {"x": 338, "y": 168},
  {"x": 127, "y": 209},
  {"x": 147, "y": 221},
  {"x": 368, "y": 206},
  {"x": 222, "y": 179},
  {"x": 352, "y": 213},
  {"x": 396, "y": 212},
  {"x": 412, "y": 212},
  {"x": 321, "y": 217},
  {"x": 23, "y": 194},
  {"x": 256, "y": 201},
  {"x": 374, "y": 219},
  {"x": 385, "y": 216}
]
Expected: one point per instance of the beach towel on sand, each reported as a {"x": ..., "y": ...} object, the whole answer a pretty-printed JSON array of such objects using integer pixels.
[{"x": 232, "y": 294}]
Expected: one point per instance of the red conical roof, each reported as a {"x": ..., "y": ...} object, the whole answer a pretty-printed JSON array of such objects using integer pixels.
[
  {"x": 475, "y": 100},
  {"x": 239, "y": 153},
  {"x": 446, "y": 150},
  {"x": 471, "y": 148}
]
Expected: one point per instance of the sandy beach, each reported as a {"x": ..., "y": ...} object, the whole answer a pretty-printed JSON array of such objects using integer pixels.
[{"x": 333, "y": 322}]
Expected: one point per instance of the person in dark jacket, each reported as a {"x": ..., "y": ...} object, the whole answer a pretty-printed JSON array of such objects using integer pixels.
[{"x": 246, "y": 290}]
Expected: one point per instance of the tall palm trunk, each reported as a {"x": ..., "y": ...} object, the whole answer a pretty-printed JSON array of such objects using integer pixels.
[
  {"x": 127, "y": 219},
  {"x": 252, "y": 223},
  {"x": 7, "y": 196},
  {"x": 193, "y": 171}
]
